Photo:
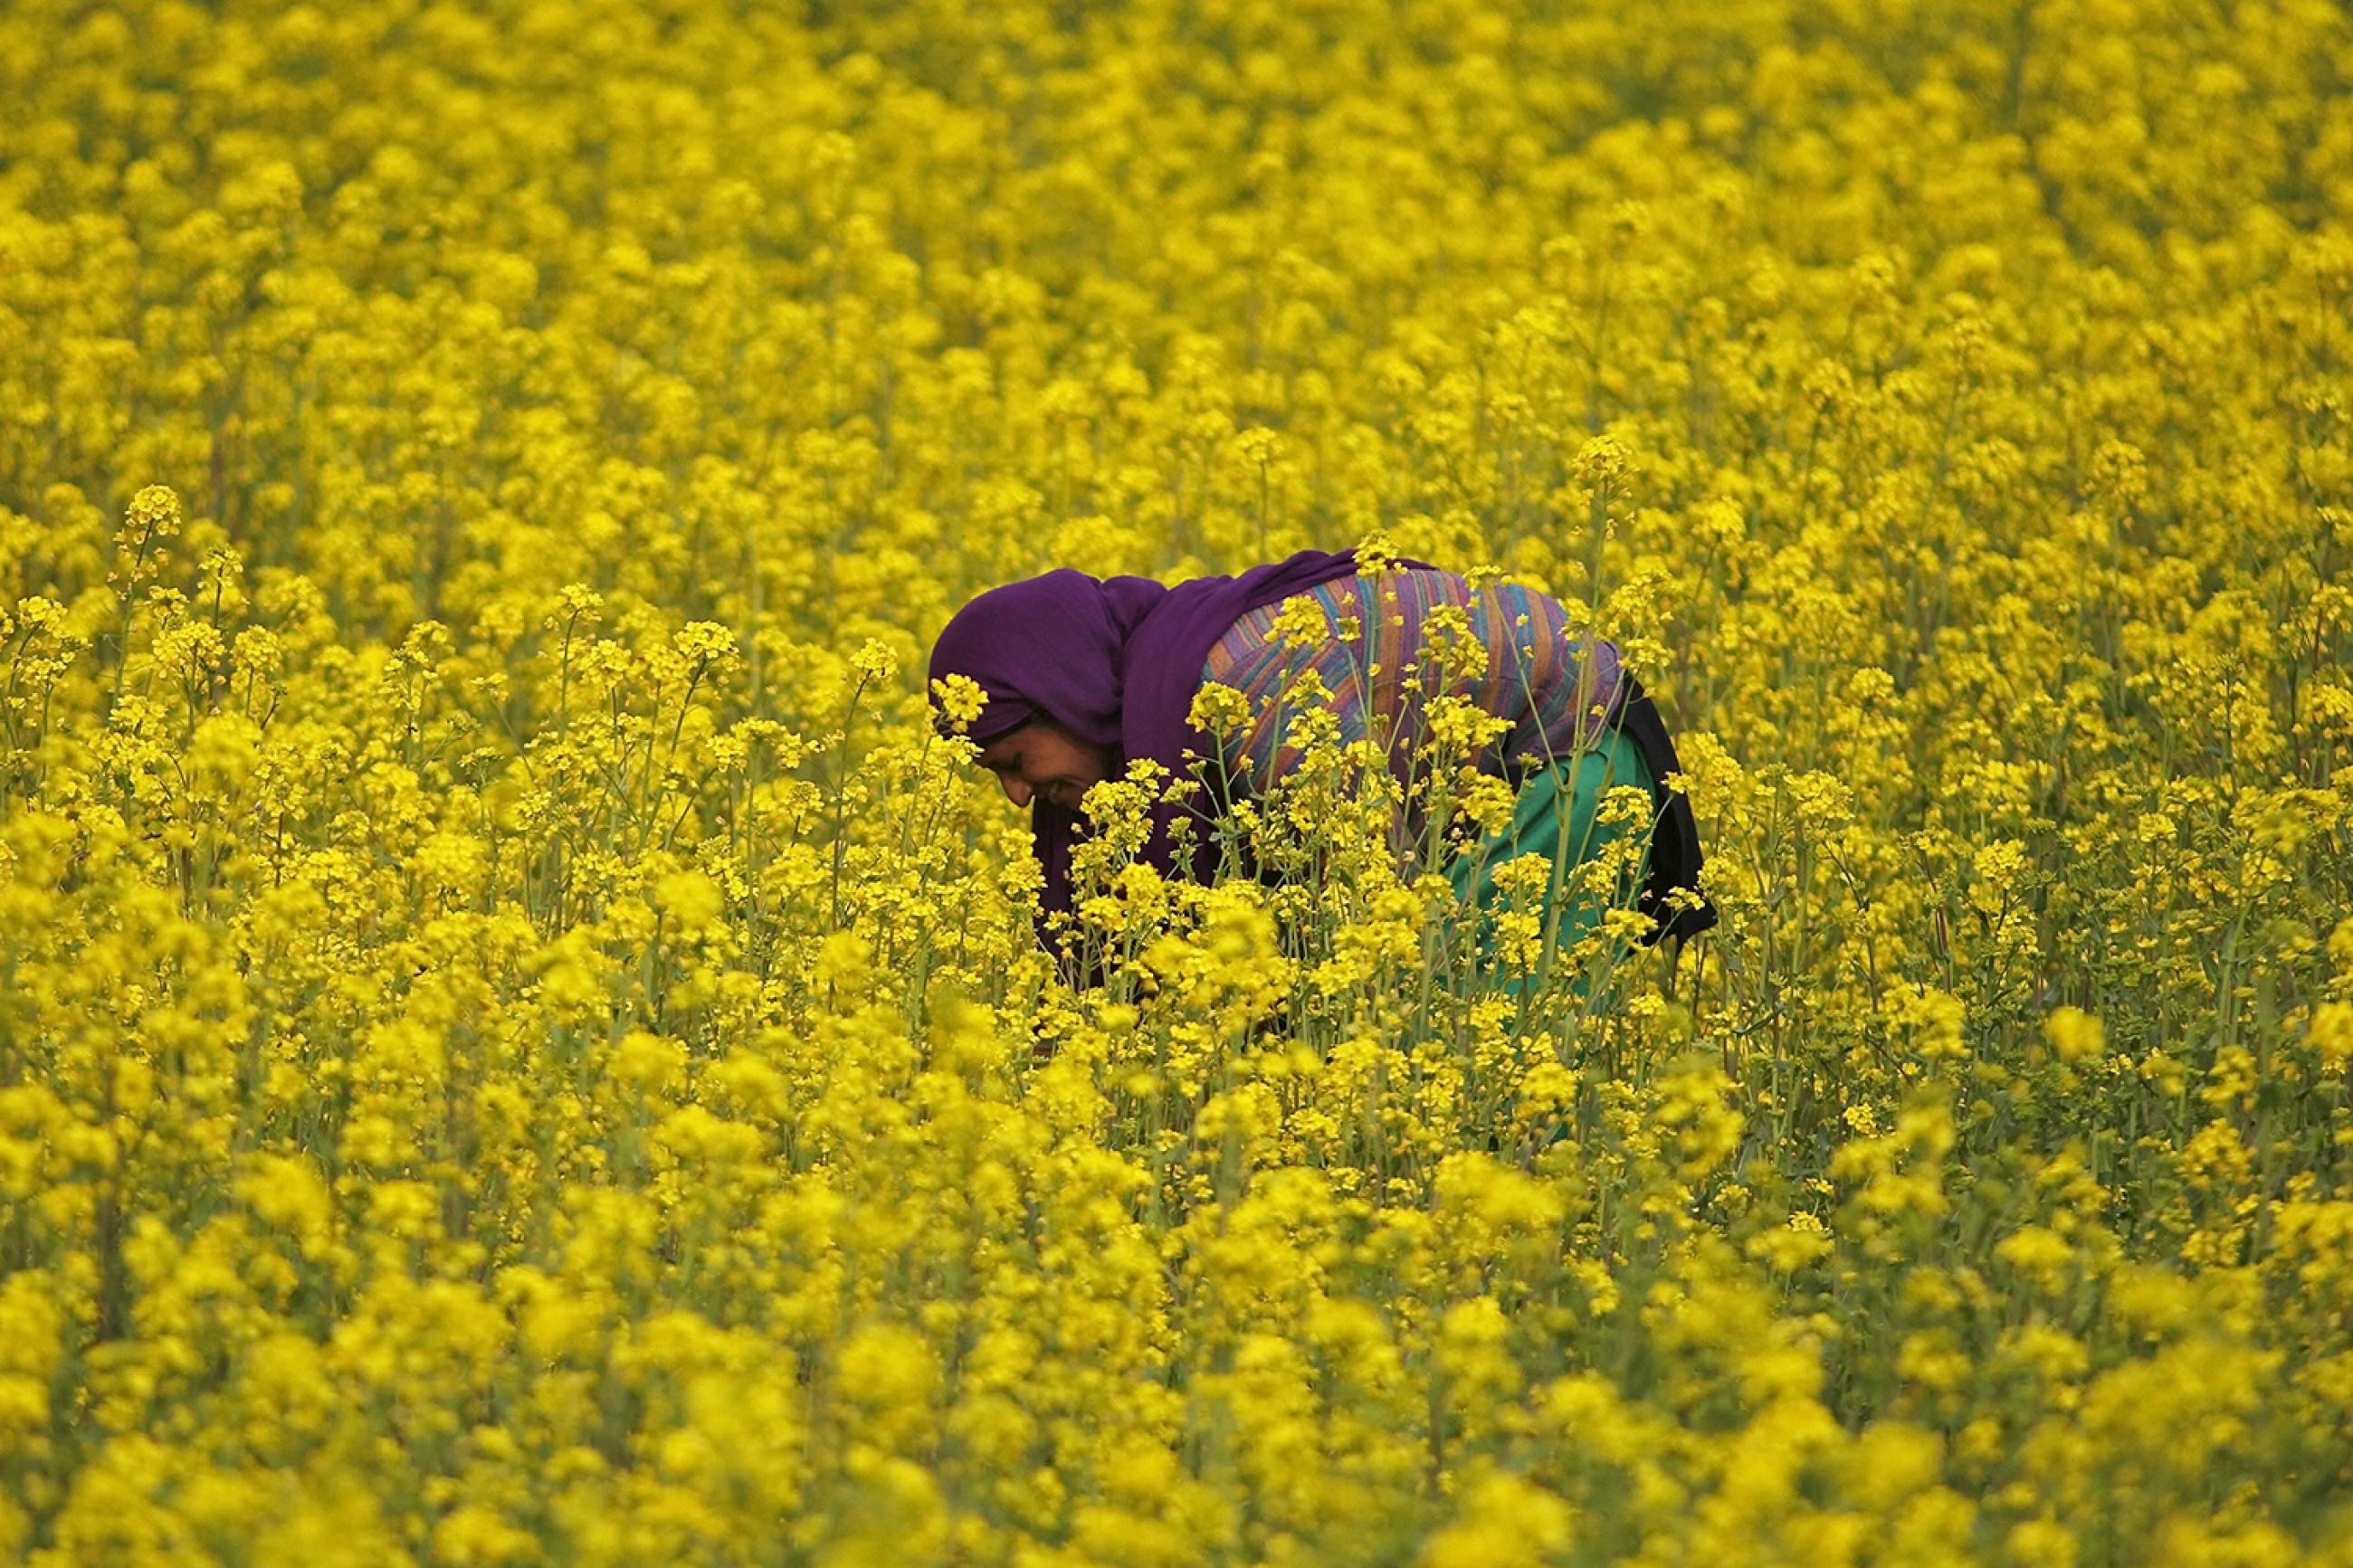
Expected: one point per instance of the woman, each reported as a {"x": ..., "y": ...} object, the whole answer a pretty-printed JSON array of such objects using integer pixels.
[{"x": 1083, "y": 675}]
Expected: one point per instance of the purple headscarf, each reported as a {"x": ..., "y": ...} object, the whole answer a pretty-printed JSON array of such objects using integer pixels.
[{"x": 1115, "y": 661}]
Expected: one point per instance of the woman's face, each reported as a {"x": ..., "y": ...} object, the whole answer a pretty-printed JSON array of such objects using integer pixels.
[{"x": 1041, "y": 758}]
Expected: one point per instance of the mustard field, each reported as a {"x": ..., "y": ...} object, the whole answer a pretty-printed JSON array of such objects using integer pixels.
[{"x": 519, "y": 1044}]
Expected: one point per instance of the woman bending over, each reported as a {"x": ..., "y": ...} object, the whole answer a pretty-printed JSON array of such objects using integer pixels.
[{"x": 1080, "y": 676}]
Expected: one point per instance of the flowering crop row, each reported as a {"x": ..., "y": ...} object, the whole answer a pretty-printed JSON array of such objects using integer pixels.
[{"x": 519, "y": 1045}]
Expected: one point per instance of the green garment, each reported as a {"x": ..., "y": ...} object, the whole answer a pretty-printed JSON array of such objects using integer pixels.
[{"x": 1555, "y": 817}]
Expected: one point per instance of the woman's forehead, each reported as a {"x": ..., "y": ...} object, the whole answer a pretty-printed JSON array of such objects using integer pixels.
[{"x": 1006, "y": 747}]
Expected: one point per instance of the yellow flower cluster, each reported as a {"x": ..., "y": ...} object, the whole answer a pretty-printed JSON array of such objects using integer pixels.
[{"x": 519, "y": 1044}]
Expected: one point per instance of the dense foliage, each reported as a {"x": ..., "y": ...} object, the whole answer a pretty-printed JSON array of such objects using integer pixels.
[{"x": 518, "y": 1044}]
